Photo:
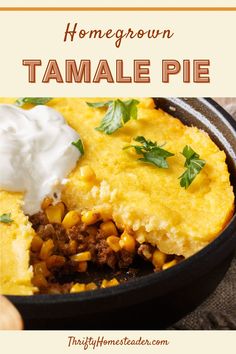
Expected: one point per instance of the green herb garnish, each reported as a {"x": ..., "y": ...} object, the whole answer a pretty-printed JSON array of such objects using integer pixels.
[
  {"x": 6, "y": 218},
  {"x": 152, "y": 153},
  {"x": 79, "y": 145},
  {"x": 99, "y": 104},
  {"x": 32, "y": 100},
  {"x": 118, "y": 113},
  {"x": 194, "y": 166}
]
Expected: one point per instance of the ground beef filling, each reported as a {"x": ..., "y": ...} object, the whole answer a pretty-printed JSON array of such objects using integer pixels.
[{"x": 68, "y": 246}]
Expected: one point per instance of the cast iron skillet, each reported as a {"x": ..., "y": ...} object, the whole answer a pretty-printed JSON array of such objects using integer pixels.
[{"x": 154, "y": 300}]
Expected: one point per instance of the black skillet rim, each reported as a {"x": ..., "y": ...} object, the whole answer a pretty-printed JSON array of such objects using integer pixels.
[{"x": 144, "y": 281}]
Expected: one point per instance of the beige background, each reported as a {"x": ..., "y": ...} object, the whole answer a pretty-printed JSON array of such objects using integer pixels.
[
  {"x": 40, "y": 35},
  {"x": 181, "y": 342},
  {"x": 118, "y": 3}
]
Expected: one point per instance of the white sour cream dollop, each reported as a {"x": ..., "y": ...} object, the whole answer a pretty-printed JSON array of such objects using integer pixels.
[{"x": 36, "y": 152}]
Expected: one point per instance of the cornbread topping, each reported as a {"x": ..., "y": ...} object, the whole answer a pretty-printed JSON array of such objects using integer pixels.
[{"x": 36, "y": 152}]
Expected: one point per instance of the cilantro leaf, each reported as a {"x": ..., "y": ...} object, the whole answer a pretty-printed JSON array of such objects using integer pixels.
[
  {"x": 152, "y": 153},
  {"x": 112, "y": 121},
  {"x": 32, "y": 100},
  {"x": 118, "y": 113},
  {"x": 98, "y": 104},
  {"x": 6, "y": 218},
  {"x": 194, "y": 166},
  {"x": 130, "y": 110},
  {"x": 79, "y": 145}
]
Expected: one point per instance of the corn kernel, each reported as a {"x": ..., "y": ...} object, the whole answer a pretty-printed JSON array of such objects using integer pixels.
[
  {"x": 41, "y": 268},
  {"x": 36, "y": 243},
  {"x": 46, "y": 249},
  {"x": 77, "y": 288},
  {"x": 113, "y": 282},
  {"x": 40, "y": 281},
  {"x": 55, "y": 261},
  {"x": 63, "y": 208},
  {"x": 46, "y": 203},
  {"x": 72, "y": 247},
  {"x": 169, "y": 264},
  {"x": 145, "y": 251},
  {"x": 109, "y": 283},
  {"x": 104, "y": 284},
  {"x": 158, "y": 259},
  {"x": 91, "y": 286},
  {"x": 54, "y": 214},
  {"x": 90, "y": 217},
  {"x": 87, "y": 173},
  {"x": 82, "y": 267},
  {"x": 127, "y": 242},
  {"x": 71, "y": 219},
  {"x": 113, "y": 243},
  {"x": 81, "y": 257},
  {"x": 108, "y": 228}
]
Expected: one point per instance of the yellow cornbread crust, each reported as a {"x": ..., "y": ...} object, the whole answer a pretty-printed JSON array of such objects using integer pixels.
[
  {"x": 15, "y": 240},
  {"x": 136, "y": 196},
  {"x": 147, "y": 199}
]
